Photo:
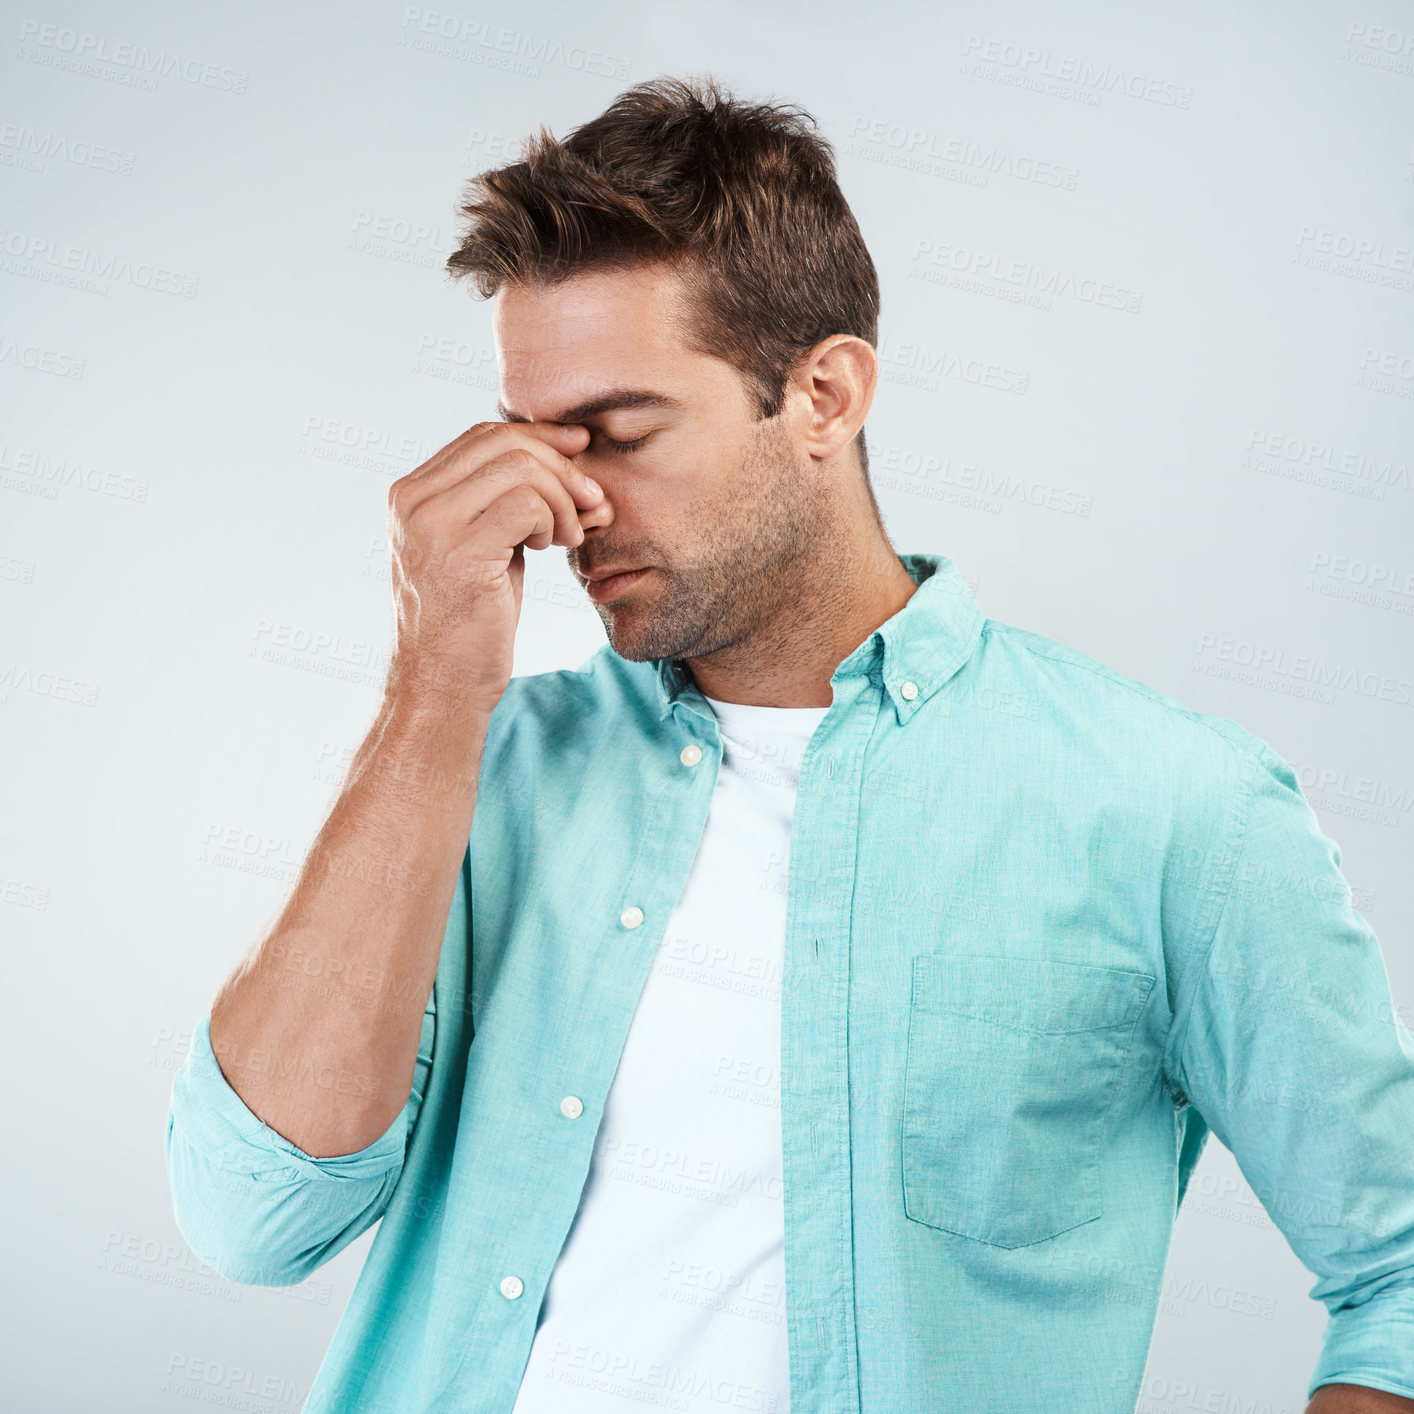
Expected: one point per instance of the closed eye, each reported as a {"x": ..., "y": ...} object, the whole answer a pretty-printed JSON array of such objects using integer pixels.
[{"x": 626, "y": 446}]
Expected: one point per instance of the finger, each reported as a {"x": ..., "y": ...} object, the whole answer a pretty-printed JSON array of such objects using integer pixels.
[
  {"x": 486, "y": 442},
  {"x": 462, "y": 502},
  {"x": 516, "y": 517},
  {"x": 566, "y": 441}
]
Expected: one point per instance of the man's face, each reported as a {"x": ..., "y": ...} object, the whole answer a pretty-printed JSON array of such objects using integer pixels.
[{"x": 722, "y": 508}]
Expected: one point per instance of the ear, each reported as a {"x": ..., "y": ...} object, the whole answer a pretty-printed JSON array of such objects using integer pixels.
[{"x": 837, "y": 378}]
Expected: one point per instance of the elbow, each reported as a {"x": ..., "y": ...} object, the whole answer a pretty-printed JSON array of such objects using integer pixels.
[{"x": 273, "y": 1227}]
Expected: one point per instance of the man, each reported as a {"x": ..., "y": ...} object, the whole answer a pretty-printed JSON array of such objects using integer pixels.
[{"x": 820, "y": 998}]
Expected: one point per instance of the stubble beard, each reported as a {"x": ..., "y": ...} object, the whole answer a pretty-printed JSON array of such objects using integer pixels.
[{"x": 747, "y": 569}]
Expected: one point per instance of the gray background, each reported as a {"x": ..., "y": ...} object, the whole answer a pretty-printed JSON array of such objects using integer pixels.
[{"x": 1172, "y": 429}]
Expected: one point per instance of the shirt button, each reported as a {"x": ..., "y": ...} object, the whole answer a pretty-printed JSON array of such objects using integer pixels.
[
  {"x": 632, "y": 916},
  {"x": 909, "y": 690},
  {"x": 690, "y": 755},
  {"x": 571, "y": 1107},
  {"x": 512, "y": 1287}
]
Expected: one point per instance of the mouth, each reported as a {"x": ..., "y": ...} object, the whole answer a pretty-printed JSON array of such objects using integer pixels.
[{"x": 613, "y": 585}]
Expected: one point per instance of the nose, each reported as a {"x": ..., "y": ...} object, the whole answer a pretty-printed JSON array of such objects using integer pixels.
[{"x": 597, "y": 517}]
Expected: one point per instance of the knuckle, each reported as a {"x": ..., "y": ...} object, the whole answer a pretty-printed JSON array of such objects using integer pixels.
[
  {"x": 518, "y": 459},
  {"x": 525, "y": 497},
  {"x": 526, "y": 503},
  {"x": 419, "y": 521}
]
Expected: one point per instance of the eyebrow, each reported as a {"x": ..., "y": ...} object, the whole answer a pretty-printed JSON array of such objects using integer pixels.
[{"x": 609, "y": 401}]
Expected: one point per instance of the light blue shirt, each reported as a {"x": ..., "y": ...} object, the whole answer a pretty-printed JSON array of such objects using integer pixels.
[{"x": 1046, "y": 928}]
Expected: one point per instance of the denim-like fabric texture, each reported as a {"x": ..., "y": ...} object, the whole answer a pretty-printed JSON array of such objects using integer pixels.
[{"x": 1047, "y": 929}]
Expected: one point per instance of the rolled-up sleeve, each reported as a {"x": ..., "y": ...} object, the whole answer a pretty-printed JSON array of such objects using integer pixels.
[
  {"x": 1287, "y": 1042},
  {"x": 252, "y": 1205}
]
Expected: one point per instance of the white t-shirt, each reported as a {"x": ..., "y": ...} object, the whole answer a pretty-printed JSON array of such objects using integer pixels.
[{"x": 672, "y": 1278}]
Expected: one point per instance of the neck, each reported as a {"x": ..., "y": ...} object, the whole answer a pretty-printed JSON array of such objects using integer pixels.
[{"x": 839, "y": 600}]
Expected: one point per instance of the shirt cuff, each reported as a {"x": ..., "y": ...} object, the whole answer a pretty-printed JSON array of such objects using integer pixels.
[
  {"x": 1371, "y": 1344},
  {"x": 219, "y": 1124}
]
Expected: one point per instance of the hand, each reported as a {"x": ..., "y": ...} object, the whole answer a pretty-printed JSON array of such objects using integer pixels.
[{"x": 458, "y": 526}]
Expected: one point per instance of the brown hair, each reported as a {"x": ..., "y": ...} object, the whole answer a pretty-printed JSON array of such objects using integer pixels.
[{"x": 741, "y": 198}]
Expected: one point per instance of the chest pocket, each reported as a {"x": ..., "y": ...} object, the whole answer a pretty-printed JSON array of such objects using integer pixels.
[{"x": 1009, "y": 1074}]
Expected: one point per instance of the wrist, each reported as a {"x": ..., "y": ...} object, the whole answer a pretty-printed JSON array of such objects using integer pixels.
[{"x": 439, "y": 687}]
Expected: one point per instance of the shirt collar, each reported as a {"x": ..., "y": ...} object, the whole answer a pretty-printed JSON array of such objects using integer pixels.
[{"x": 916, "y": 651}]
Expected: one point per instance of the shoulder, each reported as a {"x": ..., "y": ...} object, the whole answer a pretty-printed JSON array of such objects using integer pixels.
[{"x": 1100, "y": 709}]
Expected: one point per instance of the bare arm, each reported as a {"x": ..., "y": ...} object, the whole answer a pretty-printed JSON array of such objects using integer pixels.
[
  {"x": 317, "y": 1029},
  {"x": 1357, "y": 1399}
]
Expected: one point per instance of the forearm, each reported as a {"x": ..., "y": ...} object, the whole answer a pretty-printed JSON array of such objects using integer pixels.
[
  {"x": 318, "y": 1027},
  {"x": 1357, "y": 1399}
]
